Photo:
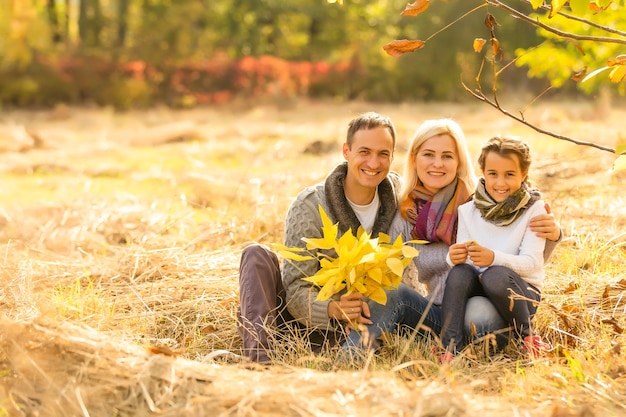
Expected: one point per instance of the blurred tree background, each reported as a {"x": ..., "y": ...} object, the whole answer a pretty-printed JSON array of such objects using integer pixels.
[{"x": 137, "y": 53}]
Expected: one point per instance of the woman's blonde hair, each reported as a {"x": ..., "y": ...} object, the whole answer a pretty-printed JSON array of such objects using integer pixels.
[{"x": 429, "y": 129}]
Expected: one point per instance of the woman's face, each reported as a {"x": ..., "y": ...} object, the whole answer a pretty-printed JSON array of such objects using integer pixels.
[{"x": 436, "y": 162}]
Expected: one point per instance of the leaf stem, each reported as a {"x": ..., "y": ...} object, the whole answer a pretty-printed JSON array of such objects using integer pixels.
[{"x": 455, "y": 21}]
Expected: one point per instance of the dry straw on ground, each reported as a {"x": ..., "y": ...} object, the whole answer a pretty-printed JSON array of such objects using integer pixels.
[{"x": 120, "y": 265}]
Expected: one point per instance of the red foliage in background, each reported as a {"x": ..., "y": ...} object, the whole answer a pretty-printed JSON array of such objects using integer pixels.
[{"x": 213, "y": 81}]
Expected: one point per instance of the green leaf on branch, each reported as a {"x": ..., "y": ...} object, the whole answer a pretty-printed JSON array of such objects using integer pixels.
[
  {"x": 594, "y": 73},
  {"x": 579, "y": 7},
  {"x": 555, "y": 7},
  {"x": 620, "y": 163},
  {"x": 536, "y": 3},
  {"x": 617, "y": 73}
]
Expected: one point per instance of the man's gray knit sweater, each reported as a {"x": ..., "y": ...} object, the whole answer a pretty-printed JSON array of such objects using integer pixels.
[{"x": 303, "y": 220}]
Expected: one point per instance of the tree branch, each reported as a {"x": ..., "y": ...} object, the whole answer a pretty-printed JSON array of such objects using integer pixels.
[
  {"x": 558, "y": 32},
  {"x": 582, "y": 20},
  {"x": 480, "y": 96},
  {"x": 593, "y": 24}
]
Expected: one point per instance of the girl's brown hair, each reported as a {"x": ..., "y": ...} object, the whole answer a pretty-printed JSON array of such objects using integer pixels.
[{"x": 507, "y": 146}]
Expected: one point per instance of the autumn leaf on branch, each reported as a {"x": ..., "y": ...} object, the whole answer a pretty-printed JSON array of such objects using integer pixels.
[
  {"x": 598, "y": 8},
  {"x": 413, "y": 9},
  {"x": 402, "y": 46},
  {"x": 478, "y": 44},
  {"x": 579, "y": 75},
  {"x": 618, "y": 60},
  {"x": 617, "y": 74},
  {"x": 579, "y": 7},
  {"x": 496, "y": 49},
  {"x": 491, "y": 23}
]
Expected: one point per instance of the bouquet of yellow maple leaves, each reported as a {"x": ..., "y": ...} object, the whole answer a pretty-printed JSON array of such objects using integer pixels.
[{"x": 365, "y": 265}]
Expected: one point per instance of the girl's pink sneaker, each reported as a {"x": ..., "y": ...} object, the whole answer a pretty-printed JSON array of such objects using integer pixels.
[
  {"x": 534, "y": 346},
  {"x": 446, "y": 358}
]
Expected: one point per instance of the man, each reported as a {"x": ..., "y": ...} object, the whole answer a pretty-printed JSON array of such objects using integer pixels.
[{"x": 358, "y": 192}]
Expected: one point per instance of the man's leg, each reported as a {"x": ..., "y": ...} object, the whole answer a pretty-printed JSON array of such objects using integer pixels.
[
  {"x": 260, "y": 287},
  {"x": 405, "y": 307}
]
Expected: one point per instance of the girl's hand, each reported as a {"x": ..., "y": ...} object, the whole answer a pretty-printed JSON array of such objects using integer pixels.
[
  {"x": 480, "y": 255},
  {"x": 458, "y": 253}
]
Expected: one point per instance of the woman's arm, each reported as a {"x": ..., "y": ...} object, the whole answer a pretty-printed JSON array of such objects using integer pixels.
[{"x": 546, "y": 227}]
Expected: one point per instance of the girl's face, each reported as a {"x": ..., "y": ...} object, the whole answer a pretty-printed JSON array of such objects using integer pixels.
[
  {"x": 503, "y": 175},
  {"x": 437, "y": 162}
]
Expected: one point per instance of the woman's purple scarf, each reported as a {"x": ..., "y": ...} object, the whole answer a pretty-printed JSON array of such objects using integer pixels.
[{"x": 435, "y": 216}]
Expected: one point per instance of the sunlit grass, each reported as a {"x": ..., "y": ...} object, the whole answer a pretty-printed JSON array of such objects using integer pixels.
[
  {"x": 139, "y": 246},
  {"x": 81, "y": 299}
]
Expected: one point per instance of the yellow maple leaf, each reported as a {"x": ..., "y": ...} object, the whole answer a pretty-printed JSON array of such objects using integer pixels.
[
  {"x": 395, "y": 265},
  {"x": 294, "y": 256},
  {"x": 378, "y": 295},
  {"x": 332, "y": 287}
]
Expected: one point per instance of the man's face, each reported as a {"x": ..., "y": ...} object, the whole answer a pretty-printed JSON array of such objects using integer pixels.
[{"x": 369, "y": 160}]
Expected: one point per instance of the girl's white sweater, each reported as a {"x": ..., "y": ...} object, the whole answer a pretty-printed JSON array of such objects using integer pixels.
[{"x": 515, "y": 246}]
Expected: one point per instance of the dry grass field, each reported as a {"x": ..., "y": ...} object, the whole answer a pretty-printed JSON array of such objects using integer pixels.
[{"x": 121, "y": 236}]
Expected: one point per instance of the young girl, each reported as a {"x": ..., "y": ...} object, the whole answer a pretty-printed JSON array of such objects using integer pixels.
[{"x": 497, "y": 255}]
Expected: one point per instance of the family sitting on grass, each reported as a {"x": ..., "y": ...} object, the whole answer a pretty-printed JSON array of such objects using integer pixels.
[{"x": 504, "y": 235}]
